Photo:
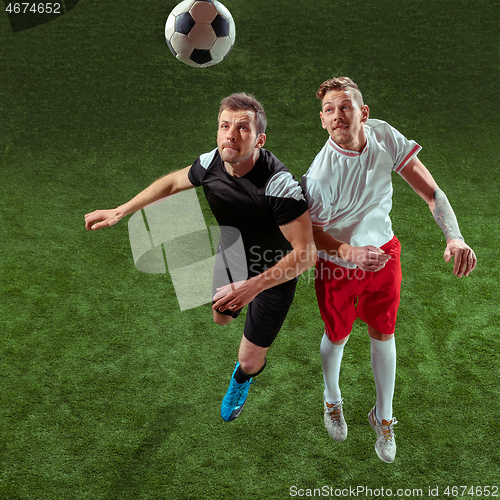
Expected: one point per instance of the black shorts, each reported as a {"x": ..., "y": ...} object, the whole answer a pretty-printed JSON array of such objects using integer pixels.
[{"x": 266, "y": 313}]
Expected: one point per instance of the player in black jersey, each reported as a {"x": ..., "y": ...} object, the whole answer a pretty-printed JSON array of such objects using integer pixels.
[{"x": 253, "y": 196}]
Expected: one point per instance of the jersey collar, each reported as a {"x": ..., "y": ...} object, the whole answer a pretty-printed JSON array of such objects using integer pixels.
[{"x": 347, "y": 152}]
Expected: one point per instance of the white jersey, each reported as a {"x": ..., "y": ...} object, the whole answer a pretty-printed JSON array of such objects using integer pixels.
[{"x": 350, "y": 194}]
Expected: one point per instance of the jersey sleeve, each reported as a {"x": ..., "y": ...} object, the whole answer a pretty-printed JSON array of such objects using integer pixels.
[
  {"x": 200, "y": 166},
  {"x": 317, "y": 201},
  {"x": 285, "y": 198},
  {"x": 400, "y": 148}
]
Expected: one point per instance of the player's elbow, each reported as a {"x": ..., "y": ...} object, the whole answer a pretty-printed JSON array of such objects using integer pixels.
[{"x": 307, "y": 256}]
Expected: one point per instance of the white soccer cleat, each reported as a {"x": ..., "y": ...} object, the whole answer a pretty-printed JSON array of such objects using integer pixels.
[
  {"x": 385, "y": 446},
  {"x": 334, "y": 420}
]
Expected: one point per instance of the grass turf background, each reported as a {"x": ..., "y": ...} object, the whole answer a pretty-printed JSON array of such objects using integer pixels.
[{"x": 107, "y": 390}]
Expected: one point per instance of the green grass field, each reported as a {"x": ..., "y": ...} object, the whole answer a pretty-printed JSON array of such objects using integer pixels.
[{"x": 107, "y": 390}]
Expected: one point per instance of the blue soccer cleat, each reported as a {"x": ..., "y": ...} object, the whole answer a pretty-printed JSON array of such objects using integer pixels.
[{"x": 235, "y": 398}]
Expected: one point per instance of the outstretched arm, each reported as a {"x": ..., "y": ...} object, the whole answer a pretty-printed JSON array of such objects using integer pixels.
[
  {"x": 165, "y": 186},
  {"x": 420, "y": 179},
  {"x": 301, "y": 258}
]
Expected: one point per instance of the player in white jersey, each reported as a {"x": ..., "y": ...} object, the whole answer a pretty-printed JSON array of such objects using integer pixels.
[
  {"x": 358, "y": 273},
  {"x": 252, "y": 193}
]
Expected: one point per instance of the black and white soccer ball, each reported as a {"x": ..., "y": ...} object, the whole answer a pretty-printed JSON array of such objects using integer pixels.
[{"x": 200, "y": 33}]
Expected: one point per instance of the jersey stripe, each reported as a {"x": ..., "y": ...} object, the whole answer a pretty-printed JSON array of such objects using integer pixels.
[{"x": 408, "y": 157}]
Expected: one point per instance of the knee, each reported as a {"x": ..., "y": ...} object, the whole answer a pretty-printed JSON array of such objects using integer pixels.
[
  {"x": 375, "y": 334},
  {"x": 251, "y": 365},
  {"x": 222, "y": 319}
]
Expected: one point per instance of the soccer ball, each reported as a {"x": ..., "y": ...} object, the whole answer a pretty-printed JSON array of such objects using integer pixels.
[{"x": 200, "y": 33}]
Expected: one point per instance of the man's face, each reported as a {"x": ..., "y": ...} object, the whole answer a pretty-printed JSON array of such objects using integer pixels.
[
  {"x": 237, "y": 138},
  {"x": 344, "y": 119}
]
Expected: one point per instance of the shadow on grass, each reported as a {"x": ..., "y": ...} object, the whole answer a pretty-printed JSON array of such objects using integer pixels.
[{"x": 131, "y": 476}]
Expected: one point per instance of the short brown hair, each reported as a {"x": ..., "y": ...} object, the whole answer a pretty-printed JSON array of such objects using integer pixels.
[
  {"x": 246, "y": 102},
  {"x": 340, "y": 83}
]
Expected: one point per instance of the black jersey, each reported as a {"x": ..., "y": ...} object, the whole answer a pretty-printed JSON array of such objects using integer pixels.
[{"x": 256, "y": 204}]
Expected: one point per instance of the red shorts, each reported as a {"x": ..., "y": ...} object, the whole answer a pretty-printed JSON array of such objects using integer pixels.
[{"x": 346, "y": 294}]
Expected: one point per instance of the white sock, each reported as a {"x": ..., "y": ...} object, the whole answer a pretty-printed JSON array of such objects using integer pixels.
[
  {"x": 331, "y": 358},
  {"x": 383, "y": 357}
]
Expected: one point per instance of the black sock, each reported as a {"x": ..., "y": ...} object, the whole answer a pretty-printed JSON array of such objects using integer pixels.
[{"x": 241, "y": 377}]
